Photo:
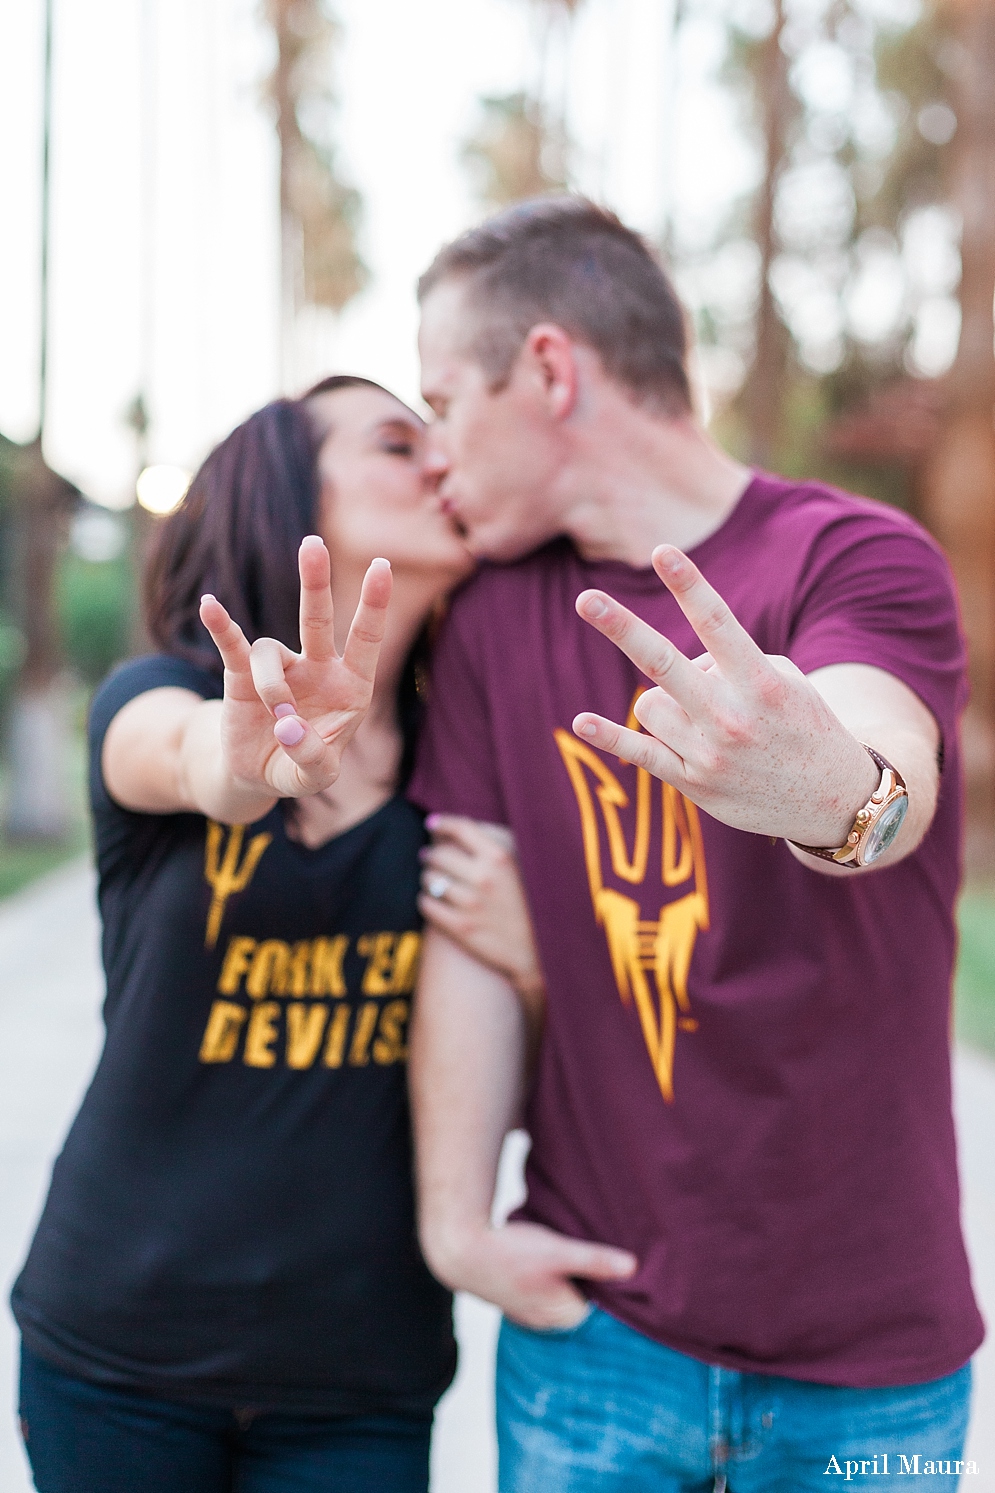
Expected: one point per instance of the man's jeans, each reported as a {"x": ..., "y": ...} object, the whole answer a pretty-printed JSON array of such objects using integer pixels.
[{"x": 603, "y": 1409}]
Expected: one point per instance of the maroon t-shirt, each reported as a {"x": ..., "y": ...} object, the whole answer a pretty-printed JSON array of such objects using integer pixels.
[{"x": 745, "y": 1077}]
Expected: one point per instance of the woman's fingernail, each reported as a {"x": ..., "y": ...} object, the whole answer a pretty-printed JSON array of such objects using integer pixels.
[
  {"x": 671, "y": 561},
  {"x": 432, "y": 822},
  {"x": 281, "y": 710},
  {"x": 311, "y": 539},
  {"x": 288, "y": 731},
  {"x": 594, "y": 607},
  {"x": 586, "y": 728}
]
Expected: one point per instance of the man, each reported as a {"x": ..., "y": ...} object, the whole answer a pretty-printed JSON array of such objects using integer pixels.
[{"x": 743, "y": 1090}]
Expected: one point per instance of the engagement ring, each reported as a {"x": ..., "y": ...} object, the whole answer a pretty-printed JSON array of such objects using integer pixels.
[{"x": 437, "y": 885}]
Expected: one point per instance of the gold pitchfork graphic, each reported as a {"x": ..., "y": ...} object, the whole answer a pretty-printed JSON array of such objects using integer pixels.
[
  {"x": 224, "y": 874},
  {"x": 640, "y": 948}
]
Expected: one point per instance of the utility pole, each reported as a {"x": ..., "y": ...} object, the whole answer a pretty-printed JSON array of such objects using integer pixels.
[{"x": 138, "y": 416}]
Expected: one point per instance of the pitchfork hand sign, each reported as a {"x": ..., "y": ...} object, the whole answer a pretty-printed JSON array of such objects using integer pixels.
[
  {"x": 741, "y": 733},
  {"x": 287, "y": 717}
]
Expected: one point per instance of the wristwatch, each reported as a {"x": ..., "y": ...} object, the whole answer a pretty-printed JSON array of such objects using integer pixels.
[{"x": 876, "y": 824}]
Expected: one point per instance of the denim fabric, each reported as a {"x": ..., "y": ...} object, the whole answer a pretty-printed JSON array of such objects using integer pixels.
[
  {"x": 603, "y": 1409},
  {"x": 86, "y": 1438}
]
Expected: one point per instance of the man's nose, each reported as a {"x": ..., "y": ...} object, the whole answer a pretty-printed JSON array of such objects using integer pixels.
[{"x": 436, "y": 461}]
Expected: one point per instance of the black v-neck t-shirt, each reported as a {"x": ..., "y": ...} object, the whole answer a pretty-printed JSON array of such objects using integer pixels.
[{"x": 231, "y": 1220}]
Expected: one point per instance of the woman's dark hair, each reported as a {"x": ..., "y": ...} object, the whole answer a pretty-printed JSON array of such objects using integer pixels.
[
  {"x": 237, "y": 533},
  {"x": 238, "y": 530}
]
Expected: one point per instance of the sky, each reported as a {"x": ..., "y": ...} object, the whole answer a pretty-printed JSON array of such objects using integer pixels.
[{"x": 164, "y": 242}]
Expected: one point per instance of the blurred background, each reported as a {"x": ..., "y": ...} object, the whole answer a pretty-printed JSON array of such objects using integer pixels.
[{"x": 209, "y": 202}]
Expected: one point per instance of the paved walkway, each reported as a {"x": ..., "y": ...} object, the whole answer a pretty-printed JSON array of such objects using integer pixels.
[{"x": 50, "y": 992}]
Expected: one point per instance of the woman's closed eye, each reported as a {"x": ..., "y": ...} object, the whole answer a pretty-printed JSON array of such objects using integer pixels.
[{"x": 399, "y": 438}]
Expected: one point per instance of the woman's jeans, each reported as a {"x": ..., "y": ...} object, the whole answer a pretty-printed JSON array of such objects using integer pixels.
[
  {"x": 603, "y": 1409},
  {"x": 87, "y": 1438}
]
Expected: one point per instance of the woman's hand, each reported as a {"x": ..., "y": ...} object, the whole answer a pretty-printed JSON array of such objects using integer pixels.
[
  {"x": 472, "y": 891},
  {"x": 287, "y": 717}
]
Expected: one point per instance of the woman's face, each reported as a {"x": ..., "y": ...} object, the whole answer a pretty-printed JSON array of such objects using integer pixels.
[{"x": 377, "y": 498}]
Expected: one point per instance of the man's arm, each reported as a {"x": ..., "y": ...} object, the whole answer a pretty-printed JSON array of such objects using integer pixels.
[
  {"x": 469, "y": 1042},
  {"x": 880, "y": 710}
]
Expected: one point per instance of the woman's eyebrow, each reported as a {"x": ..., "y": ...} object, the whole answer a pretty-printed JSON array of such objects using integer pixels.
[{"x": 399, "y": 423}]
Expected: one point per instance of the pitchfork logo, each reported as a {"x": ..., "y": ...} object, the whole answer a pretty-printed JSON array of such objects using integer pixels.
[
  {"x": 228, "y": 870},
  {"x": 650, "y": 957}
]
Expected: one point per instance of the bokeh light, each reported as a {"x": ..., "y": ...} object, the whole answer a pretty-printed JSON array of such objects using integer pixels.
[{"x": 161, "y": 488}]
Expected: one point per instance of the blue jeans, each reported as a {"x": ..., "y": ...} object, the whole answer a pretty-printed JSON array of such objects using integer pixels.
[
  {"x": 603, "y": 1409},
  {"x": 86, "y": 1438}
]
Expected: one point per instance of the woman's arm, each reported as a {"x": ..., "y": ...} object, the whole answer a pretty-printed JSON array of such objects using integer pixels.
[
  {"x": 163, "y": 755},
  {"x": 467, "y": 1075},
  {"x": 472, "y": 891},
  {"x": 283, "y": 724}
]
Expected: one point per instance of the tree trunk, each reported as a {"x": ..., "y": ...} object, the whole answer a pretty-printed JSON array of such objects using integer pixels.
[
  {"x": 37, "y": 806},
  {"x": 288, "y": 133},
  {"x": 959, "y": 489},
  {"x": 763, "y": 395}
]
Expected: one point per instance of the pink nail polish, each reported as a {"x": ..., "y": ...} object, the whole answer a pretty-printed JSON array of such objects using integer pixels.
[
  {"x": 432, "y": 822},
  {"x": 289, "y": 731},
  {"x": 281, "y": 710}
]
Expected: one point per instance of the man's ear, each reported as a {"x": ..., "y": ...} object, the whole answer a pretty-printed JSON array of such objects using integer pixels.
[{"x": 554, "y": 360}]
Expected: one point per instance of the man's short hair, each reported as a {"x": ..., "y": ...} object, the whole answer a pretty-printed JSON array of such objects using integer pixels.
[{"x": 565, "y": 260}]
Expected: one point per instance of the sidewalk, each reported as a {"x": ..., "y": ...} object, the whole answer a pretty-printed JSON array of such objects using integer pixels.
[{"x": 50, "y": 992}]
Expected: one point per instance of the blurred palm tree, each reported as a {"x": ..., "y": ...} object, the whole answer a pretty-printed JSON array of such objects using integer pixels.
[
  {"x": 764, "y": 393},
  {"x": 521, "y": 146},
  {"x": 959, "y": 485},
  {"x": 515, "y": 152},
  {"x": 319, "y": 212},
  {"x": 38, "y": 503}
]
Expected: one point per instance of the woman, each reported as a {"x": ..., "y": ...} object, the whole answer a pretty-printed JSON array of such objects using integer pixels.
[{"x": 225, "y": 1289}]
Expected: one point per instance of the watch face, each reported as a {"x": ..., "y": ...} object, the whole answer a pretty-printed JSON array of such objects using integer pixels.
[{"x": 881, "y": 834}]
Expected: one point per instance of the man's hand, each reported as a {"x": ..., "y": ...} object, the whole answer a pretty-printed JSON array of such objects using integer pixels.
[
  {"x": 530, "y": 1272},
  {"x": 287, "y": 717},
  {"x": 744, "y": 735}
]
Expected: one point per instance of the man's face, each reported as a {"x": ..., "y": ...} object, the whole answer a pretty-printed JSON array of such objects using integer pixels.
[{"x": 496, "y": 455}]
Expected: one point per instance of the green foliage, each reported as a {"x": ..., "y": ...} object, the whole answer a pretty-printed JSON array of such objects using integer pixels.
[
  {"x": 975, "y": 987},
  {"x": 94, "y": 604},
  {"x": 515, "y": 151},
  {"x": 801, "y": 453},
  {"x": 910, "y": 72},
  {"x": 11, "y": 654},
  {"x": 859, "y": 145}
]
